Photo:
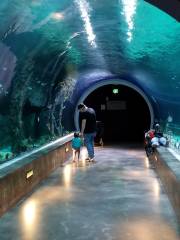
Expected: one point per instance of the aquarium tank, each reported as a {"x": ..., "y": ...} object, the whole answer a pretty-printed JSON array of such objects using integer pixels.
[{"x": 48, "y": 46}]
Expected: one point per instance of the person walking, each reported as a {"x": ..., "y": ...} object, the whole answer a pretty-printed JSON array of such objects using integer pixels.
[{"x": 87, "y": 125}]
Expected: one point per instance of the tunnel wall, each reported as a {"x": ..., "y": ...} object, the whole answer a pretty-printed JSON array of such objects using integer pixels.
[
  {"x": 107, "y": 81},
  {"x": 50, "y": 52},
  {"x": 167, "y": 167},
  {"x": 14, "y": 180}
]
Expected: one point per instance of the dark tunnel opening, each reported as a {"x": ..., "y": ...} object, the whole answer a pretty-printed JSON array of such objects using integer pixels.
[{"x": 123, "y": 112}]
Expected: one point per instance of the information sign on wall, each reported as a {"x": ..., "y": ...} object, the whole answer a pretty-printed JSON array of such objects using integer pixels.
[{"x": 116, "y": 105}]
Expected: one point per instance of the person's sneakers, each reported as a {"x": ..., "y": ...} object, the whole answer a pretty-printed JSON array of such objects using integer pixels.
[{"x": 92, "y": 160}]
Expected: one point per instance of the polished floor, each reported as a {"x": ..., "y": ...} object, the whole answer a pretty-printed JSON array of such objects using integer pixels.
[{"x": 118, "y": 198}]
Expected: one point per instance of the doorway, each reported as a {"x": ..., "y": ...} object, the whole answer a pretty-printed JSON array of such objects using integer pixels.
[{"x": 123, "y": 112}]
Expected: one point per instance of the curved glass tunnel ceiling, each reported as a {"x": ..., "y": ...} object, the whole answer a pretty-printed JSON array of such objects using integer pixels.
[{"x": 51, "y": 51}]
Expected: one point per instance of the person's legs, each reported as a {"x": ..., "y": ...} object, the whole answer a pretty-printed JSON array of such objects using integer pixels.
[
  {"x": 155, "y": 142},
  {"x": 163, "y": 141},
  {"x": 89, "y": 142},
  {"x": 78, "y": 153},
  {"x": 101, "y": 142},
  {"x": 74, "y": 155}
]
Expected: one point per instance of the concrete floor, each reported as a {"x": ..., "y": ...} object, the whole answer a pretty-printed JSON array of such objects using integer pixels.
[{"x": 117, "y": 198}]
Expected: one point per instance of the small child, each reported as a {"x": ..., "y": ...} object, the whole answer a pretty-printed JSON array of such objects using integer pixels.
[{"x": 76, "y": 145}]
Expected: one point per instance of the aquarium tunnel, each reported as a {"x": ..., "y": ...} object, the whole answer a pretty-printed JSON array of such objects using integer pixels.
[
  {"x": 120, "y": 57},
  {"x": 53, "y": 54}
]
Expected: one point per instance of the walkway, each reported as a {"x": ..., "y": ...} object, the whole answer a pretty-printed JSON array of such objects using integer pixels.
[{"x": 118, "y": 198}]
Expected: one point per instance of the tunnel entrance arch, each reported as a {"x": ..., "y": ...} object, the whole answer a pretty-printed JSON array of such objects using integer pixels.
[{"x": 118, "y": 117}]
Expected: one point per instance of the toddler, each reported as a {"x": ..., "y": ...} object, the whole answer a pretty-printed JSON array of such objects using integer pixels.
[{"x": 76, "y": 145}]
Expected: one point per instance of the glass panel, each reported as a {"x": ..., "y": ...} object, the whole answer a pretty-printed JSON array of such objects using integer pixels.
[{"x": 48, "y": 46}]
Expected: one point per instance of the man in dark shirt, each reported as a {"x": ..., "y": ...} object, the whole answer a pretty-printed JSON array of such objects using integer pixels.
[{"x": 87, "y": 122}]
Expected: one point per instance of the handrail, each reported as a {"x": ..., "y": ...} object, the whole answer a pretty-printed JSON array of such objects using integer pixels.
[
  {"x": 38, "y": 151},
  {"x": 173, "y": 125}
]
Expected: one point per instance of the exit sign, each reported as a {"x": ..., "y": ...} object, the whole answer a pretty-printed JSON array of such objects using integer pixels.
[{"x": 115, "y": 90}]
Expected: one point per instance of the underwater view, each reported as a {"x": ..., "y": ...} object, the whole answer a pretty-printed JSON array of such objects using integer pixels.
[{"x": 50, "y": 49}]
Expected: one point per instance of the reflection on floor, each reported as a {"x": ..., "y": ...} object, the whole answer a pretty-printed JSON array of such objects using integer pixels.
[{"x": 117, "y": 198}]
